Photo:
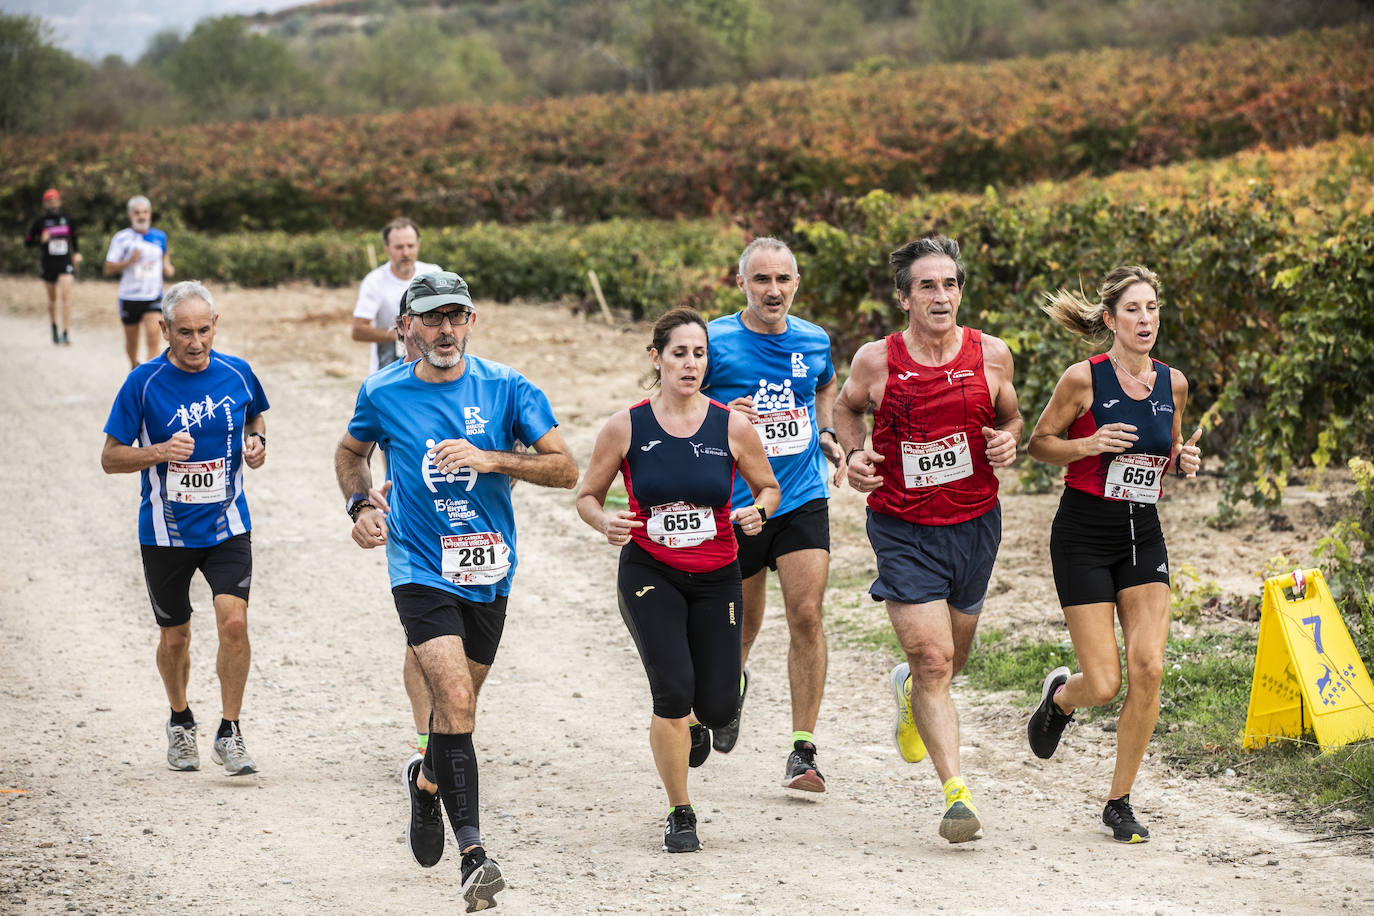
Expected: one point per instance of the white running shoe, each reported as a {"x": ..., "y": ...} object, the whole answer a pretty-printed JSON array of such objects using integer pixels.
[
  {"x": 230, "y": 752},
  {"x": 181, "y": 747}
]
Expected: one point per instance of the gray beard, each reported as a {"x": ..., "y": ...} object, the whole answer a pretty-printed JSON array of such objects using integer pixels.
[{"x": 444, "y": 362}]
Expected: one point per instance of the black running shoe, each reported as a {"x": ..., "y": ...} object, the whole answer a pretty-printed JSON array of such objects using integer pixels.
[
  {"x": 680, "y": 832},
  {"x": 482, "y": 879},
  {"x": 55, "y": 338},
  {"x": 801, "y": 772},
  {"x": 425, "y": 831},
  {"x": 66, "y": 341},
  {"x": 723, "y": 739},
  {"x": 701, "y": 745},
  {"x": 1120, "y": 819},
  {"x": 1048, "y": 721}
]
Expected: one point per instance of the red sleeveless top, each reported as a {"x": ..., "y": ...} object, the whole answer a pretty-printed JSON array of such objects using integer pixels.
[{"x": 929, "y": 430}]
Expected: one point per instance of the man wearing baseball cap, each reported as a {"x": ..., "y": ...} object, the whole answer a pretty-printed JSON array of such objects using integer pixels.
[
  {"x": 54, "y": 234},
  {"x": 449, "y": 422}
]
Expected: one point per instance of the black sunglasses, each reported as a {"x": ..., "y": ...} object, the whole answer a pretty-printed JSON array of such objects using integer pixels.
[{"x": 455, "y": 317}]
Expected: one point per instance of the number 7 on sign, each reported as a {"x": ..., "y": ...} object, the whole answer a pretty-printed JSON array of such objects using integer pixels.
[{"x": 1316, "y": 622}]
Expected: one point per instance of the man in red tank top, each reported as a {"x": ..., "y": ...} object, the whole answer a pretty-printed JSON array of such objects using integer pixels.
[{"x": 945, "y": 415}]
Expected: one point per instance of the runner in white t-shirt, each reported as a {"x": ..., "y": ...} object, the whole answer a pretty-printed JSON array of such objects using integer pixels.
[
  {"x": 141, "y": 258},
  {"x": 379, "y": 295}
]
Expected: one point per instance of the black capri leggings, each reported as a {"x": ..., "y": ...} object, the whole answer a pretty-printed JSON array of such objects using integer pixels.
[{"x": 686, "y": 627}]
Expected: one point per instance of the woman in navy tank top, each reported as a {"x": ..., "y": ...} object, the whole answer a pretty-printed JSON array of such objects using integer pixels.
[
  {"x": 679, "y": 582},
  {"x": 1115, "y": 421}
]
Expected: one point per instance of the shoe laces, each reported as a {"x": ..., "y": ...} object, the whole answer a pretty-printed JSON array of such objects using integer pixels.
[
  {"x": 184, "y": 738},
  {"x": 682, "y": 819},
  {"x": 428, "y": 801},
  {"x": 908, "y": 717},
  {"x": 1121, "y": 810},
  {"x": 234, "y": 743}
]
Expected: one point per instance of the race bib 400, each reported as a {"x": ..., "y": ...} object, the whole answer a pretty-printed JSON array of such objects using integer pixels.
[
  {"x": 482, "y": 558},
  {"x": 196, "y": 481}
]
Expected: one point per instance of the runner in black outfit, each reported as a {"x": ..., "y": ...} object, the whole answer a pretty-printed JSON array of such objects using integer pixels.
[
  {"x": 679, "y": 581},
  {"x": 54, "y": 234}
]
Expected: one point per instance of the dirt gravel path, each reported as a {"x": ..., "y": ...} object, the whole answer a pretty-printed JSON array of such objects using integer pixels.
[{"x": 92, "y": 821}]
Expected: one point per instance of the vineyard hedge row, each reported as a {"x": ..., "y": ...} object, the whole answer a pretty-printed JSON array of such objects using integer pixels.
[
  {"x": 1266, "y": 260},
  {"x": 719, "y": 151}
]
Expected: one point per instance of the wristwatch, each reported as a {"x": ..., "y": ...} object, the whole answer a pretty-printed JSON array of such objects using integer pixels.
[
  {"x": 356, "y": 504},
  {"x": 261, "y": 438}
]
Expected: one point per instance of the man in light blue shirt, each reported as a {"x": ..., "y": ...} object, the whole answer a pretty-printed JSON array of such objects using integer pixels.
[
  {"x": 776, "y": 369},
  {"x": 449, "y": 423}
]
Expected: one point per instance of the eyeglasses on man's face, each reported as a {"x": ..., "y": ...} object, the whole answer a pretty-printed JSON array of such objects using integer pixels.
[{"x": 455, "y": 317}]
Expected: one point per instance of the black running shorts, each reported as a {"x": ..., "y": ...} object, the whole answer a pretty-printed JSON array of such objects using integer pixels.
[
  {"x": 429, "y": 612},
  {"x": 227, "y": 567},
  {"x": 1099, "y": 547},
  {"x": 806, "y": 527},
  {"x": 131, "y": 310},
  {"x": 53, "y": 268}
]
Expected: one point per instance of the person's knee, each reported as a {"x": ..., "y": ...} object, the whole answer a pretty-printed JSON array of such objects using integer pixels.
[
  {"x": 931, "y": 664},
  {"x": 805, "y": 624},
  {"x": 717, "y": 707},
  {"x": 453, "y": 699},
  {"x": 1101, "y": 687},
  {"x": 233, "y": 629},
  {"x": 1145, "y": 672},
  {"x": 175, "y": 640}
]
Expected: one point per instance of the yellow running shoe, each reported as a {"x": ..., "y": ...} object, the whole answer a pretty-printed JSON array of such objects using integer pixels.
[
  {"x": 960, "y": 823},
  {"x": 904, "y": 732}
]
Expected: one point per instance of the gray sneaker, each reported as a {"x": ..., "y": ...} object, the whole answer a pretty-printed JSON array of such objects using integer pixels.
[
  {"x": 181, "y": 747},
  {"x": 230, "y": 752}
]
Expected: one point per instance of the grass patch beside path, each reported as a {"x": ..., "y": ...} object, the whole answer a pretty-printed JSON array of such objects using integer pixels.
[{"x": 1203, "y": 702}]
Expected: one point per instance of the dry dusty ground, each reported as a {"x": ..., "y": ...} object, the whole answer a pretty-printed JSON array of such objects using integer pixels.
[{"x": 91, "y": 820}]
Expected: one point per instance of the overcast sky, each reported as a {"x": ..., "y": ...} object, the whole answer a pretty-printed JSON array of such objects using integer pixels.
[{"x": 94, "y": 28}]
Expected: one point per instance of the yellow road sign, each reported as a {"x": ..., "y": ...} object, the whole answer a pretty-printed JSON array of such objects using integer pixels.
[{"x": 1308, "y": 674}]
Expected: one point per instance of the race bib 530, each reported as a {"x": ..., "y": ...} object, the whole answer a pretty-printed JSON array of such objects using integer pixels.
[{"x": 783, "y": 432}]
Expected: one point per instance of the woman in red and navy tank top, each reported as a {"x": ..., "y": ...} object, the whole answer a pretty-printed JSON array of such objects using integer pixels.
[
  {"x": 679, "y": 582},
  {"x": 1116, "y": 422}
]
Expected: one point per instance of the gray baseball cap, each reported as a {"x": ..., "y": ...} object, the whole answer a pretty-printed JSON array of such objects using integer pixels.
[{"x": 429, "y": 291}]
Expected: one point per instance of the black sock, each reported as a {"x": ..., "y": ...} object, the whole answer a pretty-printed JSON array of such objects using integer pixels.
[
  {"x": 184, "y": 717},
  {"x": 224, "y": 728},
  {"x": 455, "y": 769}
]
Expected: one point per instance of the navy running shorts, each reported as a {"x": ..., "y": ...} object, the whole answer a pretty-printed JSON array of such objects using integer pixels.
[
  {"x": 227, "y": 568},
  {"x": 429, "y": 612},
  {"x": 922, "y": 563},
  {"x": 806, "y": 527}
]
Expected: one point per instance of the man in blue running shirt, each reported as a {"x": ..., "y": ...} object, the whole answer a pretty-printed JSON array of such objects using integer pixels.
[
  {"x": 188, "y": 421},
  {"x": 449, "y": 423},
  {"x": 776, "y": 369}
]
